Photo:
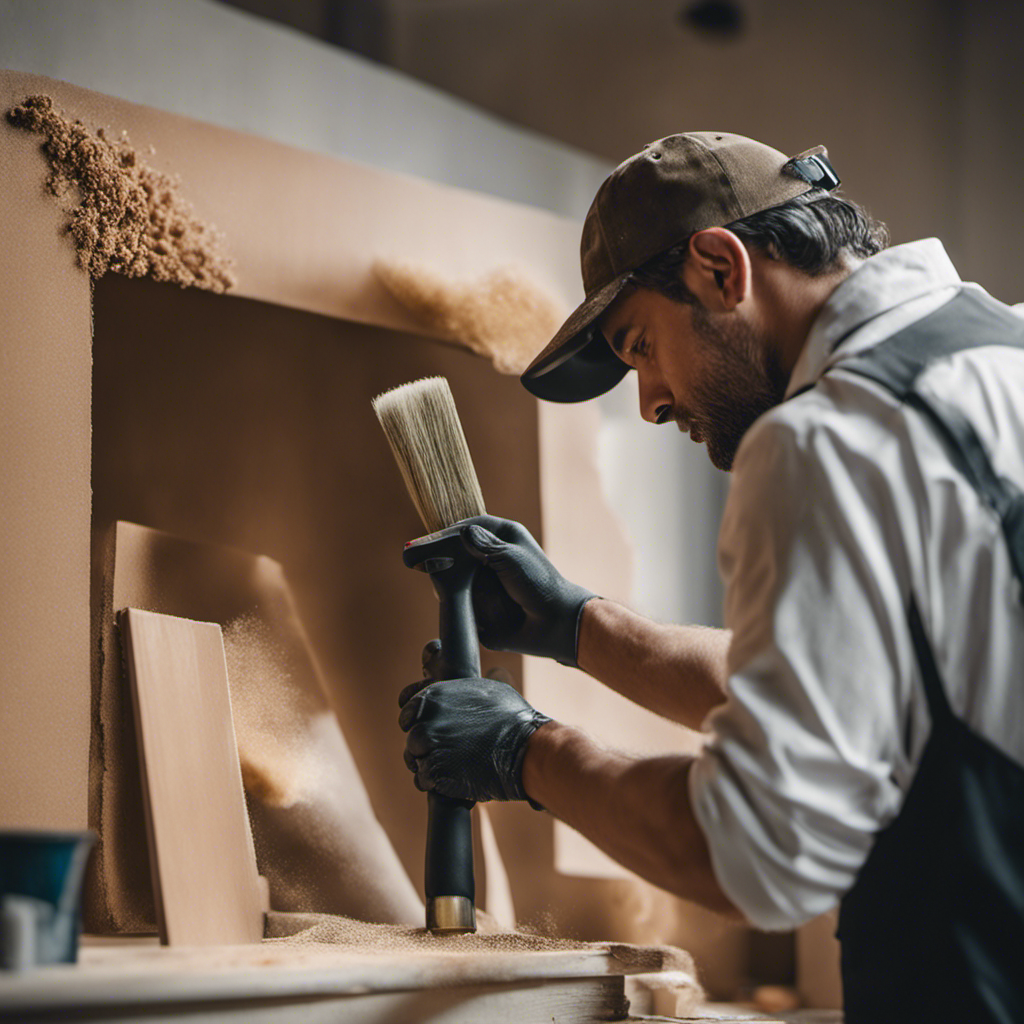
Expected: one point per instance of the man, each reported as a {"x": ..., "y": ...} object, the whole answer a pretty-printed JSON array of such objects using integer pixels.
[{"x": 865, "y": 707}]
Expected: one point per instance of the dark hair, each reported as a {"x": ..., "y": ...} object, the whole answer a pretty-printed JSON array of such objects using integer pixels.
[{"x": 811, "y": 233}]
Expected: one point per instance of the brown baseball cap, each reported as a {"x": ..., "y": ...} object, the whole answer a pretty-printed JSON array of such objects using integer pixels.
[{"x": 651, "y": 202}]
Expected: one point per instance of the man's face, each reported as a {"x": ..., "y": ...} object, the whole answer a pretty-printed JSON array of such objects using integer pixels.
[{"x": 712, "y": 374}]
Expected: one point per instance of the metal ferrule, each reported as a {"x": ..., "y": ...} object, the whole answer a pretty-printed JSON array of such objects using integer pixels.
[{"x": 451, "y": 914}]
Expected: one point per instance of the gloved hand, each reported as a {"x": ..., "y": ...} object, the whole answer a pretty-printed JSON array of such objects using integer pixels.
[
  {"x": 521, "y": 601},
  {"x": 467, "y": 738}
]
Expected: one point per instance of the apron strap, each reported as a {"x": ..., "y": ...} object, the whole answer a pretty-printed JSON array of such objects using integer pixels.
[{"x": 898, "y": 362}]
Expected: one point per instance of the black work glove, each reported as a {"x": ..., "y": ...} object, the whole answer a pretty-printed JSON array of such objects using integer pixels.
[
  {"x": 468, "y": 737},
  {"x": 521, "y": 601}
]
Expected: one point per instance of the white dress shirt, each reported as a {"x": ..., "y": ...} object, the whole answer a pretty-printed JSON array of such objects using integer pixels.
[{"x": 842, "y": 502}]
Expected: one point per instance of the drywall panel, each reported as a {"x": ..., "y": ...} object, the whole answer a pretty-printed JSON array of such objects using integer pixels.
[{"x": 44, "y": 500}]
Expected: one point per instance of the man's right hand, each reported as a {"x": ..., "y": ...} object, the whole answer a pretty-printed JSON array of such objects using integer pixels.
[{"x": 522, "y": 602}]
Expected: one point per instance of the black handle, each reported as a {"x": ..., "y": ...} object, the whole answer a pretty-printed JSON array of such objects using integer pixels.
[
  {"x": 449, "y": 854},
  {"x": 449, "y": 858},
  {"x": 460, "y": 648},
  {"x": 448, "y": 866}
]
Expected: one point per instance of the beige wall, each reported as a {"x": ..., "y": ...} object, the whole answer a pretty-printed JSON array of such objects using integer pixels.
[
  {"x": 872, "y": 80},
  {"x": 920, "y": 103},
  {"x": 45, "y": 406}
]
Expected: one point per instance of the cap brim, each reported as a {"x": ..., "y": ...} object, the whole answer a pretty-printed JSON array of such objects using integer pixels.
[{"x": 578, "y": 363}]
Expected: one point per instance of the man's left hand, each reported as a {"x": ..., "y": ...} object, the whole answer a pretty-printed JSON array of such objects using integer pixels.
[{"x": 467, "y": 738}]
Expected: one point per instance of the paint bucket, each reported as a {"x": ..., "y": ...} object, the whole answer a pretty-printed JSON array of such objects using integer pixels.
[{"x": 40, "y": 896}]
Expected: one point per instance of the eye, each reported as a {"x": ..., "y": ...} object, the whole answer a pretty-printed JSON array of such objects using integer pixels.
[{"x": 639, "y": 347}]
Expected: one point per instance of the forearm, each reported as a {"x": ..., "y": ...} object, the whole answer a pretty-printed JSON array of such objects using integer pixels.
[
  {"x": 635, "y": 809},
  {"x": 676, "y": 671}
]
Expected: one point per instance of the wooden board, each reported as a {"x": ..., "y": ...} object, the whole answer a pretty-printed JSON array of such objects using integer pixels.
[
  {"x": 280, "y": 982},
  {"x": 205, "y": 883},
  {"x": 563, "y": 1001}
]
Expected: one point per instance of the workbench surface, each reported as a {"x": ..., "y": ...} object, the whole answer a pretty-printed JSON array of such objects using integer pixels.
[{"x": 280, "y": 981}]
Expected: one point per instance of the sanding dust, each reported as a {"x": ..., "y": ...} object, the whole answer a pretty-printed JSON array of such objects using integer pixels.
[
  {"x": 334, "y": 930},
  {"x": 282, "y": 763},
  {"x": 504, "y": 316},
  {"x": 123, "y": 215},
  {"x": 359, "y": 936}
]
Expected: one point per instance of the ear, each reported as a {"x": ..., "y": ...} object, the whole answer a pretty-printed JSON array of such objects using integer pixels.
[{"x": 718, "y": 269}]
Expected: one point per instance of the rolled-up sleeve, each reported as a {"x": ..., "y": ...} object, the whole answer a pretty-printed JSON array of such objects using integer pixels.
[{"x": 799, "y": 770}]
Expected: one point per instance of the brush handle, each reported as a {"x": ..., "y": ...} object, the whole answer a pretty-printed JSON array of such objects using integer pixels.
[
  {"x": 449, "y": 858},
  {"x": 460, "y": 648},
  {"x": 448, "y": 876}
]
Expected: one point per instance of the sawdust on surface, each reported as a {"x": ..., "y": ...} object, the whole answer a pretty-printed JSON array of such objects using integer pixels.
[
  {"x": 123, "y": 215},
  {"x": 505, "y": 315},
  {"x": 362, "y": 937}
]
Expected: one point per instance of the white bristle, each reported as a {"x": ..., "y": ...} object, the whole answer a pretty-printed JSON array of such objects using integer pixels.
[{"x": 422, "y": 426}]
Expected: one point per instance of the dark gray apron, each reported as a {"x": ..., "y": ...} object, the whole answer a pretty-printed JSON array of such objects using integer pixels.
[{"x": 933, "y": 928}]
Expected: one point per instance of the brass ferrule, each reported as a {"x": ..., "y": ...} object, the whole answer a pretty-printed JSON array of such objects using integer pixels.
[{"x": 450, "y": 914}]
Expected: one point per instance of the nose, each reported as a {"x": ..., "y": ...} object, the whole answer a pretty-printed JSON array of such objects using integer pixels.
[{"x": 655, "y": 398}]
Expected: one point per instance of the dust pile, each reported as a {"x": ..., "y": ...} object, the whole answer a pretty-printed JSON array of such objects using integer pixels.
[
  {"x": 362, "y": 937},
  {"x": 282, "y": 763},
  {"x": 365, "y": 937},
  {"x": 504, "y": 316},
  {"x": 123, "y": 215}
]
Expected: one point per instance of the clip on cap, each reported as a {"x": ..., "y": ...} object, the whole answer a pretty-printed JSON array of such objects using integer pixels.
[{"x": 815, "y": 169}]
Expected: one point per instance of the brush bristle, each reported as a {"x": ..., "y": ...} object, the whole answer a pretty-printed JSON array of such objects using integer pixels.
[{"x": 422, "y": 426}]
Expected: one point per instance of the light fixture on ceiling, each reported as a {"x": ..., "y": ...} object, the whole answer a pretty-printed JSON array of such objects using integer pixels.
[{"x": 720, "y": 19}]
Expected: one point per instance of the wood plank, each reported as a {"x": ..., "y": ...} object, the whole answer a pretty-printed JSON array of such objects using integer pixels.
[
  {"x": 205, "y": 881},
  {"x": 543, "y": 1001},
  {"x": 280, "y": 980},
  {"x": 132, "y": 972}
]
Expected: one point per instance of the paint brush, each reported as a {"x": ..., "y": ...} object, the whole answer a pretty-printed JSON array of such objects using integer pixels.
[{"x": 422, "y": 426}]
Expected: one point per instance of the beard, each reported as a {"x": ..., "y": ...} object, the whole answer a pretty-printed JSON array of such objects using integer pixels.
[{"x": 740, "y": 380}]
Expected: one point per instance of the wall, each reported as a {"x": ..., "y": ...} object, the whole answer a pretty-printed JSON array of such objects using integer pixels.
[
  {"x": 211, "y": 62},
  {"x": 873, "y": 81},
  {"x": 44, "y": 512},
  {"x": 990, "y": 147}
]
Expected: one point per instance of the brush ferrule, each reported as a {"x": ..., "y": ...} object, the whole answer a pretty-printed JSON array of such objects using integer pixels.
[{"x": 451, "y": 914}]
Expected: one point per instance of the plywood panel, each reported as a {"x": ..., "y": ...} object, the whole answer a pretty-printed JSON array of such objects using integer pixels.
[{"x": 205, "y": 882}]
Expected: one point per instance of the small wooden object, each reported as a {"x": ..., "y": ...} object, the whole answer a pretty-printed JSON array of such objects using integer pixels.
[{"x": 205, "y": 882}]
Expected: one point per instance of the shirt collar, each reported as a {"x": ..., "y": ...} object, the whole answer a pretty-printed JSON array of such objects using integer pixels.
[{"x": 881, "y": 283}]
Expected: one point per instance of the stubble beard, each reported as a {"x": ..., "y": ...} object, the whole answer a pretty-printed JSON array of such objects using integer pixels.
[{"x": 740, "y": 381}]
